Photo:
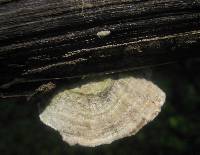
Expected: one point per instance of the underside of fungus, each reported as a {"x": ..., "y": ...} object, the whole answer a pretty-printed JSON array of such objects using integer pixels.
[{"x": 103, "y": 110}]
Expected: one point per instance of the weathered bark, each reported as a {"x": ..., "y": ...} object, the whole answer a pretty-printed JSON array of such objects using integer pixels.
[{"x": 48, "y": 40}]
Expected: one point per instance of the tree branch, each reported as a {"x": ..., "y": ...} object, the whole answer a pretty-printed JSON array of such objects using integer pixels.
[{"x": 50, "y": 40}]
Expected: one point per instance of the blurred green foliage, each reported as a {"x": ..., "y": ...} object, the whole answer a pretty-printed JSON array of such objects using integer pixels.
[{"x": 175, "y": 131}]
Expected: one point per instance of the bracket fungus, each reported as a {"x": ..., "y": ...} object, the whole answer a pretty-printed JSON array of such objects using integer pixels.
[{"x": 102, "y": 111}]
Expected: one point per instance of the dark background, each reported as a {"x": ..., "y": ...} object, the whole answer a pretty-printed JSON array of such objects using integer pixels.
[{"x": 175, "y": 131}]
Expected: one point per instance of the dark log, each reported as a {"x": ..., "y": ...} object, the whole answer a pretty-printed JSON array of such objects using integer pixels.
[{"x": 48, "y": 40}]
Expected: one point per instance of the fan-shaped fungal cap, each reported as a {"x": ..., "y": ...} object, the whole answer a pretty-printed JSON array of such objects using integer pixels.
[{"x": 100, "y": 112}]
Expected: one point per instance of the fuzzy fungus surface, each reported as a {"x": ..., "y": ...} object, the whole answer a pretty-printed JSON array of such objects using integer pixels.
[{"x": 102, "y": 111}]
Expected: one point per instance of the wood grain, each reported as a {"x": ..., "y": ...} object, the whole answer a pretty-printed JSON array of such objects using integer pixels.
[{"x": 46, "y": 40}]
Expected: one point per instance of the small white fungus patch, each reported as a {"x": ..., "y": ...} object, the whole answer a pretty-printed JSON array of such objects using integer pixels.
[{"x": 103, "y": 34}]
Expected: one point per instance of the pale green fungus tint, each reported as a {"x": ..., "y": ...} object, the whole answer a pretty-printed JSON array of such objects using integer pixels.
[{"x": 93, "y": 88}]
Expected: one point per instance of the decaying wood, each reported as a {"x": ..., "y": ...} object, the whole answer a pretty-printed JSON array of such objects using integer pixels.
[
  {"x": 45, "y": 44},
  {"x": 48, "y": 40}
]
